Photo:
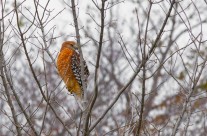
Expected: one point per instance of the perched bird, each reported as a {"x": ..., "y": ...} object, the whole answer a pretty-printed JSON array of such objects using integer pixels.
[{"x": 69, "y": 68}]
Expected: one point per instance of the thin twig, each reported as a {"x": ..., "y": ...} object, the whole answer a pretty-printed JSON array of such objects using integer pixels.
[
  {"x": 140, "y": 123},
  {"x": 3, "y": 77},
  {"x": 9, "y": 100},
  {"x": 86, "y": 126}
]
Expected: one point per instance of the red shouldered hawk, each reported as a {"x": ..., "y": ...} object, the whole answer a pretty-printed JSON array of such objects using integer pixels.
[{"x": 69, "y": 68}]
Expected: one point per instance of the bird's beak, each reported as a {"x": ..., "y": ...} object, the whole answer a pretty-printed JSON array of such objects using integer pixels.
[{"x": 75, "y": 46}]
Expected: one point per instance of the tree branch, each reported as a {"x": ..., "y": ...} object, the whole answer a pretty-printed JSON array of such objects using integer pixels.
[{"x": 154, "y": 45}]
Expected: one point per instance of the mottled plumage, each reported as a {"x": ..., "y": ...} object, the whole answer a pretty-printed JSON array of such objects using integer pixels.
[{"x": 69, "y": 68}]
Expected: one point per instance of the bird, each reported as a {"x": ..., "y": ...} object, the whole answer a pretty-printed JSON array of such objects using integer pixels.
[{"x": 69, "y": 69}]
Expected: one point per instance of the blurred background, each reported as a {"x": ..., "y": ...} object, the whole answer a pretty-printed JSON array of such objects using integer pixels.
[{"x": 166, "y": 54}]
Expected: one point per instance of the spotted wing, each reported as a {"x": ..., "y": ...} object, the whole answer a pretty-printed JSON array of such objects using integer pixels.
[{"x": 76, "y": 68}]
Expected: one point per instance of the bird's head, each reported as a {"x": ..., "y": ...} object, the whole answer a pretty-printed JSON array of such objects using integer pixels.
[{"x": 69, "y": 44}]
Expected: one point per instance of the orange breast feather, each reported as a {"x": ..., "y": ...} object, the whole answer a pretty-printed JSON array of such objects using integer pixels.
[{"x": 65, "y": 71}]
